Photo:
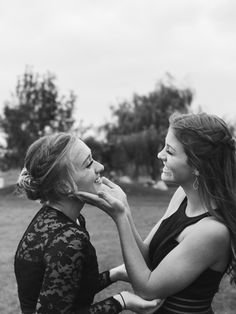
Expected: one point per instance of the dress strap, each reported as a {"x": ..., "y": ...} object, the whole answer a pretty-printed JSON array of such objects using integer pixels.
[{"x": 182, "y": 212}]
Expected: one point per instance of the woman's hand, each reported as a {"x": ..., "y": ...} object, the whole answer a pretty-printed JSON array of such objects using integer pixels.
[
  {"x": 111, "y": 199},
  {"x": 138, "y": 305},
  {"x": 119, "y": 273}
]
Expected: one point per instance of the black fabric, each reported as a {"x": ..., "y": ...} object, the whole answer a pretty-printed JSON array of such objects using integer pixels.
[
  {"x": 56, "y": 268},
  {"x": 197, "y": 297}
]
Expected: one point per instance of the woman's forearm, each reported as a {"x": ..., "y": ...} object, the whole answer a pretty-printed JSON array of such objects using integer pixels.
[
  {"x": 136, "y": 265},
  {"x": 140, "y": 243}
]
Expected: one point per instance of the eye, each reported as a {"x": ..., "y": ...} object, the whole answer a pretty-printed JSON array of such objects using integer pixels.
[
  {"x": 90, "y": 164},
  {"x": 168, "y": 152}
]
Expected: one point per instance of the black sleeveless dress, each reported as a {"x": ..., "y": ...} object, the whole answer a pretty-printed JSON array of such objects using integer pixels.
[{"x": 198, "y": 296}]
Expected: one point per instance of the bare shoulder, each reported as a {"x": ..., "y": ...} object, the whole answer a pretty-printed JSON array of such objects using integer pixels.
[
  {"x": 213, "y": 230},
  {"x": 175, "y": 202},
  {"x": 211, "y": 241},
  {"x": 207, "y": 244}
]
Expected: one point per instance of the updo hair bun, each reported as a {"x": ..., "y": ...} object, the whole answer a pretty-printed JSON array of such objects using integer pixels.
[
  {"x": 47, "y": 168},
  {"x": 26, "y": 184}
]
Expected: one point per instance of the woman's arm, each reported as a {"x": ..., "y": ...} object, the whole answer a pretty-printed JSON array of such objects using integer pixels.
[
  {"x": 196, "y": 252},
  {"x": 175, "y": 201},
  {"x": 125, "y": 300},
  {"x": 119, "y": 272},
  {"x": 104, "y": 280},
  {"x": 142, "y": 245}
]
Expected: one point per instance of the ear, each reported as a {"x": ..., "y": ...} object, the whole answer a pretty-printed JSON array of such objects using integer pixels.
[{"x": 196, "y": 172}]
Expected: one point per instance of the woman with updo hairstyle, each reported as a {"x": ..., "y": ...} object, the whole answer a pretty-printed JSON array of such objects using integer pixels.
[
  {"x": 191, "y": 248},
  {"x": 55, "y": 263},
  {"x": 46, "y": 164}
]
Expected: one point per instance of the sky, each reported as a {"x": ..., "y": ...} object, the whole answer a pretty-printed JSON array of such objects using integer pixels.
[{"x": 107, "y": 50}]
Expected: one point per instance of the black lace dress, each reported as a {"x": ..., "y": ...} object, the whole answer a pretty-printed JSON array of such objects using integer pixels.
[{"x": 56, "y": 268}]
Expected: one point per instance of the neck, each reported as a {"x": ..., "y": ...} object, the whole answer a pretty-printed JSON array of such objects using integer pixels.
[
  {"x": 195, "y": 204},
  {"x": 69, "y": 207}
]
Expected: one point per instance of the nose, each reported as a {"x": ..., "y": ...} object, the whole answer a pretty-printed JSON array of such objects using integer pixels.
[
  {"x": 99, "y": 167},
  {"x": 162, "y": 154}
]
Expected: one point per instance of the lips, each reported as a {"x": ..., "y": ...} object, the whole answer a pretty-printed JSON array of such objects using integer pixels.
[
  {"x": 98, "y": 180},
  {"x": 165, "y": 169}
]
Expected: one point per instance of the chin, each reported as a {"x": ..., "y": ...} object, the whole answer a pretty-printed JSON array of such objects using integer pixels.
[
  {"x": 91, "y": 189},
  {"x": 97, "y": 188},
  {"x": 166, "y": 178}
]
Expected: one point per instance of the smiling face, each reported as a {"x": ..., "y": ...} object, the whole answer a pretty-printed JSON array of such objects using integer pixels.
[
  {"x": 176, "y": 168},
  {"x": 86, "y": 171}
]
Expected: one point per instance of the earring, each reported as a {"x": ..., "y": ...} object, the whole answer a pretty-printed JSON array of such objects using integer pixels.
[{"x": 196, "y": 183}]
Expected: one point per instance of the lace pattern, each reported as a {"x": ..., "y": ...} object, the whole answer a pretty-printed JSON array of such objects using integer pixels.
[{"x": 56, "y": 268}]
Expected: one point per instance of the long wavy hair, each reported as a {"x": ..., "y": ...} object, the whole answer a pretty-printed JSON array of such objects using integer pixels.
[{"x": 210, "y": 148}]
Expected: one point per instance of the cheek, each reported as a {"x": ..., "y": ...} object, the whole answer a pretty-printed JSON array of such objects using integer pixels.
[
  {"x": 185, "y": 171},
  {"x": 179, "y": 166},
  {"x": 86, "y": 182}
]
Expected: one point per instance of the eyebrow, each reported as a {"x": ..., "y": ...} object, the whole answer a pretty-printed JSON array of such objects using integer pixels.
[{"x": 169, "y": 146}]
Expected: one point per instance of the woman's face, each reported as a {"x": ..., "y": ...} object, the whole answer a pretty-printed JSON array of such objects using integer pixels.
[
  {"x": 87, "y": 170},
  {"x": 176, "y": 169}
]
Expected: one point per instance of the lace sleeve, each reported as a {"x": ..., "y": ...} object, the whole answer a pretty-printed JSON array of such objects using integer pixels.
[
  {"x": 107, "y": 306},
  {"x": 104, "y": 281},
  {"x": 62, "y": 276}
]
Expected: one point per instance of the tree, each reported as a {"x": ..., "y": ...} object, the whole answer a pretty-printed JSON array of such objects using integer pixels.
[
  {"x": 34, "y": 110},
  {"x": 141, "y": 126}
]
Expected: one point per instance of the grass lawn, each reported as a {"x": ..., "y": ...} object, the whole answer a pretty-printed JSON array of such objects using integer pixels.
[{"x": 147, "y": 206}]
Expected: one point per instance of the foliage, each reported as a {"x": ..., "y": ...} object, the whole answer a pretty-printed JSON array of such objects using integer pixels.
[
  {"x": 35, "y": 110},
  {"x": 141, "y": 126}
]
